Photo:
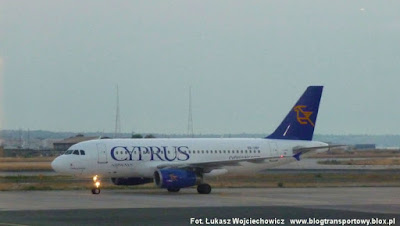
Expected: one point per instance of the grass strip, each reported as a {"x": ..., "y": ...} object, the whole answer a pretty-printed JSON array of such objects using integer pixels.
[{"x": 228, "y": 181}]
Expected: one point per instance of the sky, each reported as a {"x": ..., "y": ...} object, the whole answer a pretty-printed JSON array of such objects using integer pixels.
[{"x": 247, "y": 63}]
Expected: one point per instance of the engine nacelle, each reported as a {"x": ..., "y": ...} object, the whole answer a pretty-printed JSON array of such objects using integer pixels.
[
  {"x": 131, "y": 180},
  {"x": 176, "y": 178}
]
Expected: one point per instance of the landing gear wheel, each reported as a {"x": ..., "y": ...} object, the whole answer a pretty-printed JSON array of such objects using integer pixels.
[
  {"x": 173, "y": 189},
  {"x": 96, "y": 186},
  {"x": 96, "y": 191},
  {"x": 204, "y": 189}
]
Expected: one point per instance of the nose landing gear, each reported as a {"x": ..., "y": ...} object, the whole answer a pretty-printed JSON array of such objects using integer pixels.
[{"x": 96, "y": 185}]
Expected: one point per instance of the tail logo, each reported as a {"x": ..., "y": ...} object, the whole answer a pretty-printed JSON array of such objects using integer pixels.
[{"x": 303, "y": 117}]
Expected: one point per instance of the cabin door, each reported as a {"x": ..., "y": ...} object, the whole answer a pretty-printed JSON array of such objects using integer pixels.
[
  {"x": 102, "y": 153},
  {"x": 274, "y": 149}
]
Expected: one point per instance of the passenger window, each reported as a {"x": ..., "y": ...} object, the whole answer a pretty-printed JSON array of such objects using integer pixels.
[
  {"x": 82, "y": 152},
  {"x": 76, "y": 152}
]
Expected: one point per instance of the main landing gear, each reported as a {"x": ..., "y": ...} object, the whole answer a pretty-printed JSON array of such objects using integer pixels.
[
  {"x": 96, "y": 185},
  {"x": 203, "y": 189},
  {"x": 173, "y": 189}
]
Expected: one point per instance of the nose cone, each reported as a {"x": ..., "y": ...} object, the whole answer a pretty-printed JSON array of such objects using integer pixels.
[{"x": 56, "y": 165}]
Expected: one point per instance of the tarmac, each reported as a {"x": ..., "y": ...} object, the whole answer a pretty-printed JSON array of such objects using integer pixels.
[{"x": 159, "y": 207}]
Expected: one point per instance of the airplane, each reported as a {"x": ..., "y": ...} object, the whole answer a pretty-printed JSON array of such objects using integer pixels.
[{"x": 174, "y": 164}]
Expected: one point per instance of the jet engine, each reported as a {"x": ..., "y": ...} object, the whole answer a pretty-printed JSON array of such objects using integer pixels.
[
  {"x": 176, "y": 178},
  {"x": 131, "y": 180}
]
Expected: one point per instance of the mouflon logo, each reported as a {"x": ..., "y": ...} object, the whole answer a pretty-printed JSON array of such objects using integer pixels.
[
  {"x": 303, "y": 117},
  {"x": 173, "y": 177}
]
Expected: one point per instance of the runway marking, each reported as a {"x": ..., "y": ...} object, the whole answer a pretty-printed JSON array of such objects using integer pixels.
[{"x": 11, "y": 224}]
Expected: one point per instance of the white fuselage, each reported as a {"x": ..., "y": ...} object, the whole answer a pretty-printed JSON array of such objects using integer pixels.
[{"x": 142, "y": 157}]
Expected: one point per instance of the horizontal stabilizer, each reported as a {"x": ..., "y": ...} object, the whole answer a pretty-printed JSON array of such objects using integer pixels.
[{"x": 306, "y": 150}]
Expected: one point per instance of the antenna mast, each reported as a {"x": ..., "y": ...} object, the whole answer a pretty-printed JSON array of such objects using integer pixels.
[
  {"x": 117, "y": 118},
  {"x": 190, "y": 119}
]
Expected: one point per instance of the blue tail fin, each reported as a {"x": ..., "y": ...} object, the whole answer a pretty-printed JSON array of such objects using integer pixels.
[{"x": 300, "y": 121}]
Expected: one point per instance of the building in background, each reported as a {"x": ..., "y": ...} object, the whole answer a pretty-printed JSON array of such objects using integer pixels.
[
  {"x": 365, "y": 146},
  {"x": 63, "y": 145}
]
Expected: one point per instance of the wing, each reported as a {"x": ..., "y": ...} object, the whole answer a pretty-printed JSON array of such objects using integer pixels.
[{"x": 208, "y": 166}]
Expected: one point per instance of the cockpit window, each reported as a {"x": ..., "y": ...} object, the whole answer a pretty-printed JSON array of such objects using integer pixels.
[
  {"x": 82, "y": 152},
  {"x": 76, "y": 152},
  {"x": 68, "y": 152}
]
